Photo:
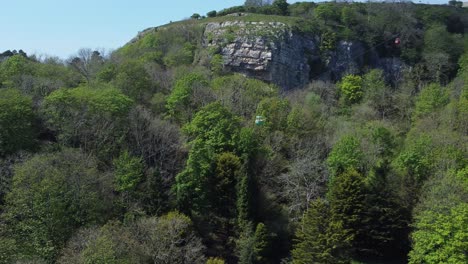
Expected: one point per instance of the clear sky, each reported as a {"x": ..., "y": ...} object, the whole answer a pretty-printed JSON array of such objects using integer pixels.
[{"x": 61, "y": 27}]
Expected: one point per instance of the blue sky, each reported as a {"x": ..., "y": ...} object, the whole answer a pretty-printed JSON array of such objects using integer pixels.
[{"x": 61, "y": 27}]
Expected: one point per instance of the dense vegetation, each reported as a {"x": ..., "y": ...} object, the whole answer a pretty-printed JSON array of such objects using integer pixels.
[{"x": 151, "y": 154}]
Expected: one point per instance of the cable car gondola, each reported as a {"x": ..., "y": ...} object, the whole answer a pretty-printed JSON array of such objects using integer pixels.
[{"x": 397, "y": 41}]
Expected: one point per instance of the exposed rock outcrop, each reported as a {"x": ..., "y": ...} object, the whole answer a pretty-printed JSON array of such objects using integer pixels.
[
  {"x": 269, "y": 51},
  {"x": 347, "y": 58}
]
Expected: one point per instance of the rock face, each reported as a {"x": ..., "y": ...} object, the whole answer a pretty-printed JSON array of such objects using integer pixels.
[
  {"x": 348, "y": 58},
  {"x": 272, "y": 52},
  {"x": 264, "y": 50}
]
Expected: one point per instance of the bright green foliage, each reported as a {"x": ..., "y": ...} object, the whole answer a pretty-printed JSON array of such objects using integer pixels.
[
  {"x": 16, "y": 118},
  {"x": 13, "y": 68},
  {"x": 320, "y": 238},
  {"x": 302, "y": 120},
  {"x": 215, "y": 261},
  {"x": 462, "y": 108},
  {"x": 430, "y": 99},
  {"x": 180, "y": 104},
  {"x": 328, "y": 40},
  {"x": 53, "y": 195},
  {"x": 217, "y": 64},
  {"x": 261, "y": 247},
  {"x": 180, "y": 55},
  {"x": 441, "y": 218},
  {"x": 106, "y": 100},
  {"x": 94, "y": 119},
  {"x": 128, "y": 171},
  {"x": 192, "y": 183},
  {"x": 172, "y": 46},
  {"x": 441, "y": 237},
  {"x": 416, "y": 161},
  {"x": 462, "y": 175},
  {"x": 212, "y": 131},
  {"x": 346, "y": 154},
  {"x": 275, "y": 111},
  {"x": 215, "y": 126},
  {"x": 351, "y": 89}
]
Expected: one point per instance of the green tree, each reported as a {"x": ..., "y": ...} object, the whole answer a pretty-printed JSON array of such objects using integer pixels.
[
  {"x": 275, "y": 111},
  {"x": 133, "y": 80},
  {"x": 441, "y": 237},
  {"x": 181, "y": 104},
  {"x": 16, "y": 122},
  {"x": 8, "y": 250},
  {"x": 439, "y": 234},
  {"x": 170, "y": 238},
  {"x": 13, "y": 68},
  {"x": 111, "y": 243},
  {"x": 377, "y": 94},
  {"x": 347, "y": 196},
  {"x": 227, "y": 174},
  {"x": 438, "y": 40},
  {"x": 216, "y": 64},
  {"x": 94, "y": 119},
  {"x": 212, "y": 13},
  {"x": 326, "y": 12},
  {"x": 53, "y": 195},
  {"x": 281, "y": 6},
  {"x": 430, "y": 99},
  {"x": 212, "y": 131},
  {"x": 102, "y": 251},
  {"x": 128, "y": 171},
  {"x": 320, "y": 238},
  {"x": 261, "y": 246},
  {"x": 351, "y": 89},
  {"x": 346, "y": 154},
  {"x": 180, "y": 54}
]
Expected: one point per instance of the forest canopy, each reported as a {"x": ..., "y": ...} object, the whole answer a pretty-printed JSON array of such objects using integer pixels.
[{"x": 159, "y": 153}]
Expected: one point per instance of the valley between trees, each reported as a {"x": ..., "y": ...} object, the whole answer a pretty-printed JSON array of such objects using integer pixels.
[{"x": 160, "y": 153}]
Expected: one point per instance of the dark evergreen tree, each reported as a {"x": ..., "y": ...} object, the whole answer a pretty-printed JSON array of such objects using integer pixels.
[
  {"x": 347, "y": 203},
  {"x": 320, "y": 237}
]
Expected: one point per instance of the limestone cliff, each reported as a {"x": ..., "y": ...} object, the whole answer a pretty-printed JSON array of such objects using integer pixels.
[
  {"x": 273, "y": 52},
  {"x": 269, "y": 51}
]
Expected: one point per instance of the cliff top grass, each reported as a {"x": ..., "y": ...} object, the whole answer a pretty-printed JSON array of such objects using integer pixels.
[{"x": 245, "y": 17}]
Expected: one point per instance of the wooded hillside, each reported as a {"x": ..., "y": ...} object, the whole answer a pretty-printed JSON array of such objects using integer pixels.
[{"x": 158, "y": 153}]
